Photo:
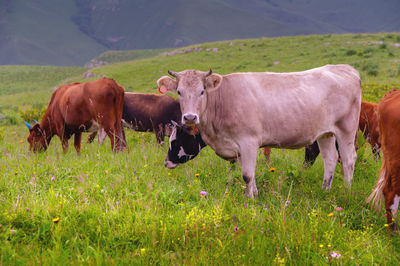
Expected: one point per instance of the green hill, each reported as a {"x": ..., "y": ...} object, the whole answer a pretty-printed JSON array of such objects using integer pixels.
[
  {"x": 376, "y": 56},
  {"x": 60, "y": 32}
]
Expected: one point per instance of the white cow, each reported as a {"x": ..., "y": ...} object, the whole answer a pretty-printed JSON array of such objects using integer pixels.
[{"x": 240, "y": 112}]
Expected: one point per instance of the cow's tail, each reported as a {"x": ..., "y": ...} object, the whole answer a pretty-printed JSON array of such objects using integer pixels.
[{"x": 376, "y": 197}]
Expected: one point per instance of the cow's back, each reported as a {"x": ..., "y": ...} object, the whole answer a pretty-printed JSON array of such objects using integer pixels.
[
  {"x": 145, "y": 111},
  {"x": 88, "y": 101},
  {"x": 276, "y": 107}
]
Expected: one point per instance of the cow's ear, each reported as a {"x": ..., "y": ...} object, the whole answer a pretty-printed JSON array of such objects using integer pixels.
[
  {"x": 213, "y": 81},
  {"x": 36, "y": 129},
  {"x": 167, "y": 83}
]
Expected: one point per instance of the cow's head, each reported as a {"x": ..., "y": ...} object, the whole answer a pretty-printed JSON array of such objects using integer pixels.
[
  {"x": 184, "y": 144},
  {"x": 192, "y": 86},
  {"x": 37, "y": 138}
]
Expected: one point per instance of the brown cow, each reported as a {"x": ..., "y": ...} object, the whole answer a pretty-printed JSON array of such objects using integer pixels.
[
  {"x": 81, "y": 107},
  {"x": 388, "y": 185}
]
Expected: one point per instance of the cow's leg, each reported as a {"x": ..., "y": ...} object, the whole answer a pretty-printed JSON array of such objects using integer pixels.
[
  {"x": 391, "y": 205},
  {"x": 102, "y": 136},
  {"x": 77, "y": 142},
  {"x": 91, "y": 137},
  {"x": 64, "y": 143},
  {"x": 159, "y": 132},
  {"x": 311, "y": 154},
  {"x": 113, "y": 131},
  {"x": 119, "y": 136},
  {"x": 248, "y": 160},
  {"x": 348, "y": 155},
  {"x": 267, "y": 152},
  {"x": 111, "y": 134},
  {"x": 330, "y": 156}
]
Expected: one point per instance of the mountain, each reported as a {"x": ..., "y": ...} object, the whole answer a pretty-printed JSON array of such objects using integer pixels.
[{"x": 59, "y": 32}]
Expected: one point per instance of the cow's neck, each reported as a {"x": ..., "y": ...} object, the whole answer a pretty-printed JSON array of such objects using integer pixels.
[
  {"x": 209, "y": 119},
  {"x": 46, "y": 127}
]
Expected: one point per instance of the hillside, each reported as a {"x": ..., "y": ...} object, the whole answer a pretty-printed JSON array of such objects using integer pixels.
[
  {"x": 376, "y": 56},
  {"x": 59, "y": 32},
  {"x": 127, "y": 208}
]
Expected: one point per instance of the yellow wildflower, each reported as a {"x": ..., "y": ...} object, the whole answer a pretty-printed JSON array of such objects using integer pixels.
[
  {"x": 272, "y": 169},
  {"x": 197, "y": 175},
  {"x": 142, "y": 250},
  {"x": 22, "y": 141},
  {"x": 56, "y": 220},
  {"x": 321, "y": 246},
  {"x": 331, "y": 214}
]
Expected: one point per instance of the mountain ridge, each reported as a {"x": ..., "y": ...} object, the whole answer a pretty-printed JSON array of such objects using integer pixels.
[{"x": 56, "y": 32}]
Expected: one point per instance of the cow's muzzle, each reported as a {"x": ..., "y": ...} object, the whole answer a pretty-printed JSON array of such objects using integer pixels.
[
  {"x": 169, "y": 164},
  {"x": 190, "y": 119}
]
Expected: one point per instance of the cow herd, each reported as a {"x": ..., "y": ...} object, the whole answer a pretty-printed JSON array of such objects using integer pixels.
[{"x": 236, "y": 114}]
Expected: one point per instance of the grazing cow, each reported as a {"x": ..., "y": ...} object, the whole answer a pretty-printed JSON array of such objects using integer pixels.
[
  {"x": 147, "y": 112},
  {"x": 388, "y": 185},
  {"x": 241, "y": 112},
  {"x": 81, "y": 107},
  {"x": 368, "y": 125}
]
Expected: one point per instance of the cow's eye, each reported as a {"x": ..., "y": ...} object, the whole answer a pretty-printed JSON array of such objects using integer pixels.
[
  {"x": 202, "y": 92},
  {"x": 179, "y": 93}
]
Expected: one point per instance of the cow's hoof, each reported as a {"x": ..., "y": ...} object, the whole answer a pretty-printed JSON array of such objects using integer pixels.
[
  {"x": 251, "y": 193},
  {"x": 326, "y": 186}
]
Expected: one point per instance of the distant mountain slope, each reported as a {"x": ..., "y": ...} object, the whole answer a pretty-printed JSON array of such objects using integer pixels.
[
  {"x": 61, "y": 32},
  {"x": 41, "y": 32}
]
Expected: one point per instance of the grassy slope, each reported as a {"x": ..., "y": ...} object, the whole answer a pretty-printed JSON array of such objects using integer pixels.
[
  {"x": 128, "y": 207},
  {"x": 41, "y": 32},
  {"x": 114, "y": 56},
  {"x": 374, "y": 55}
]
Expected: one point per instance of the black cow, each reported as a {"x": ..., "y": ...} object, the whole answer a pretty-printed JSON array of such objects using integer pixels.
[{"x": 185, "y": 143}]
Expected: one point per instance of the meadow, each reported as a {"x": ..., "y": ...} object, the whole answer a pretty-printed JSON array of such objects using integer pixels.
[{"x": 127, "y": 208}]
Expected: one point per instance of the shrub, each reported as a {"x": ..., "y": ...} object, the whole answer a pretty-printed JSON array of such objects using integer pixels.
[
  {"x": 389, "y": 36},
  {"x": 351, "y": 52},
  {"x": 372, "y": 69},
  {"x": 2, "y": 129},
  {"x": 32, "y": 113},
  {"x": 383, "y": 46},
  {"x": 8, "y": 118}
]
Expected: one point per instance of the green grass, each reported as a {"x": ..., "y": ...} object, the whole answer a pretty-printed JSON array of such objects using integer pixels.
[
  {"x": 114, "y": 56},
  {"x": 128, "y": 208}
]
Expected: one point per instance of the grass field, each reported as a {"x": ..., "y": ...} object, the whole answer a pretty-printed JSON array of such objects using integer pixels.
[{"x": 103, "y": 208}]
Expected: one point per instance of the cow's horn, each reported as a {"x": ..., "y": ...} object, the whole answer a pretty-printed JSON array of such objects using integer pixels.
[
  {"x": 209, "y": 73},
  {"x": 174, "y": 123},
  {"x": 27, "y": 124},
  {"x": 174, "y": 74},
  {"x": 36, "y": 121}
]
